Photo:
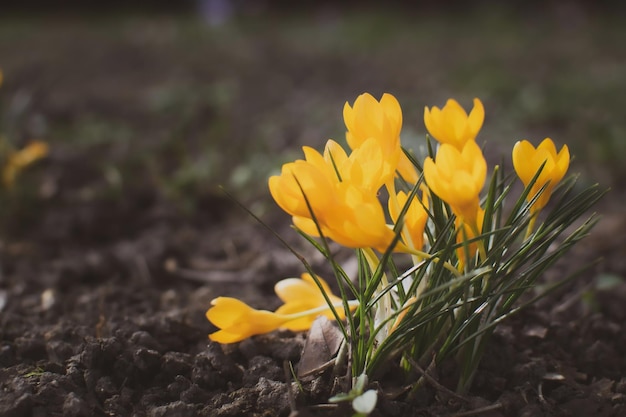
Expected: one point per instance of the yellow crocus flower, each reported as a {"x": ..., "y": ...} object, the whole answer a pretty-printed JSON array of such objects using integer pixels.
[
  {"x": 370, "y": 118},
  {"x": 303, "y": 303},
  {"x": 304, "y": 295},
  {"x": 366, "y": 167},
  {"x": 527, "y": 161},
  {"x": 457, "y": 177},
  {"x": 361, "y": 222},
  {"x": 341, "y": 191},
  {"x": 452, "y": 125},
  {"x": 382, "y": 120},
  {"x": 356, "y": 221},
  {"x": 311, "y": 178},
  {"x": 238, "y": 321}
]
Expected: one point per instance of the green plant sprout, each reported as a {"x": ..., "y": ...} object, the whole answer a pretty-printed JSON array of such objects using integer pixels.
[{"x": 363, "y": 402}]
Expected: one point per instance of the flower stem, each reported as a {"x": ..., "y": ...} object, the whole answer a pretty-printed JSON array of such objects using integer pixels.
[
  {"x": 351, "y": 303},
  {"x": 428, "y": 256},
  {"x": 531, "y": 225}
]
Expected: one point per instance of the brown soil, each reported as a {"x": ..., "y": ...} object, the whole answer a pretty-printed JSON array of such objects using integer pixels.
[{"x": 103, "y": 288}]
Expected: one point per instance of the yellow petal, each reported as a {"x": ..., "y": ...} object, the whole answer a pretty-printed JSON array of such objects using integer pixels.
[
  {"x": 222, "y": 336},
  {"x": 334, "y": 157},
  {"x": 457, "y": 177},
  {"x": 302, "y": 290},
  {"x": 452, "y": 125},
  {"x": 527, "y": 161},
  {"x": 547, "y": 145},
  {"x": 431, "y": 175},
  {"x": 523, "y": 152},
  {"x": 378, "y": 120},
  {"x": 393, "y": 112},
  {"x": 226, "y": 311},
  {"x": 238, "y": 321},
  {"x": 307, "y": 225},
  {"x": 301, "y": 181},
  {"x": 476, "y": 118},
  {"x": 562, "y": 162},
  {"x": 414, "y": 219},
  {"x": 407, "y": 169}
]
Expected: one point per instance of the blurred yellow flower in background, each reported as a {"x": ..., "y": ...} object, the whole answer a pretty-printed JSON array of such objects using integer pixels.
[
  {"x": 527, "y": 161},
  {"x": 18, "y": 160},
  {"x": 452, "y": 125}
]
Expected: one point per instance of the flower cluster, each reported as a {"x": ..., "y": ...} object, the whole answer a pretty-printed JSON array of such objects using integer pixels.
[
  {"x": 470, "y": 259},
  {"x": 336, "y": 195}
]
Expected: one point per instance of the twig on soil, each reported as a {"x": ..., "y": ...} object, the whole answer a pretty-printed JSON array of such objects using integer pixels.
[
  {"x": 434, "y": 383},
  {"x": 542, "y": 399},
  {"x": 290, "y": 396},
  {"x": 320, "y": 368},
  {"x": 208, "y": 277},
  {"x": 142, "y": 269},
  {"x": 478, "y": 411}
]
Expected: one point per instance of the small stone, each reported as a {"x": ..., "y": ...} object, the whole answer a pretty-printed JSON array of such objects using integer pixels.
[
  {"x": 195, "y": 395},
  {"x": 48, "y": 299},
  {"x": 100, "y": 353},
  {"x": 59, "y": 351},
  {"x": 105, "y": 388},
  {"x": 147, "y": 360},
  {"x": 212, "y": 368},
  {"x": 262, "y": 366},
  {"x": 145, "y": 339},
  {"x": 73, "y": 406},
  {"x": 31, "y": 347},
  {"x": 176, "y": 363},
  {"x": 224, "y": 364},
  {"x": 175, "y": 409},
  {"x": 180, "y": 384},
  {"x": 272, "y": 396},
  {"x": 22, "y": 406},
  {"x": 6, "y": 356},
  {"x": 114, "y": 407}
]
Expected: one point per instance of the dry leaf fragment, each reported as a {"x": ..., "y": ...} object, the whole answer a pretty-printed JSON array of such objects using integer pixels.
[{"x": 322, "y": 343}]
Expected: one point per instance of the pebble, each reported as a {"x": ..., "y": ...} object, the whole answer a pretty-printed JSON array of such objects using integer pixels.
[
  {"x": 175, "y": 409},
  {"x": 74, "y": 406},
  {"x": 176, "y": 363}
]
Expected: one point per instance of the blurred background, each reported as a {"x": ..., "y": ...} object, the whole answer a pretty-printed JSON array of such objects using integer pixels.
[{"x": 159, "y": 102}]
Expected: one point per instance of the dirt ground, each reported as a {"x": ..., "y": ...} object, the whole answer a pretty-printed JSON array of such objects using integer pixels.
[{"x": 113, "y": 246}]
